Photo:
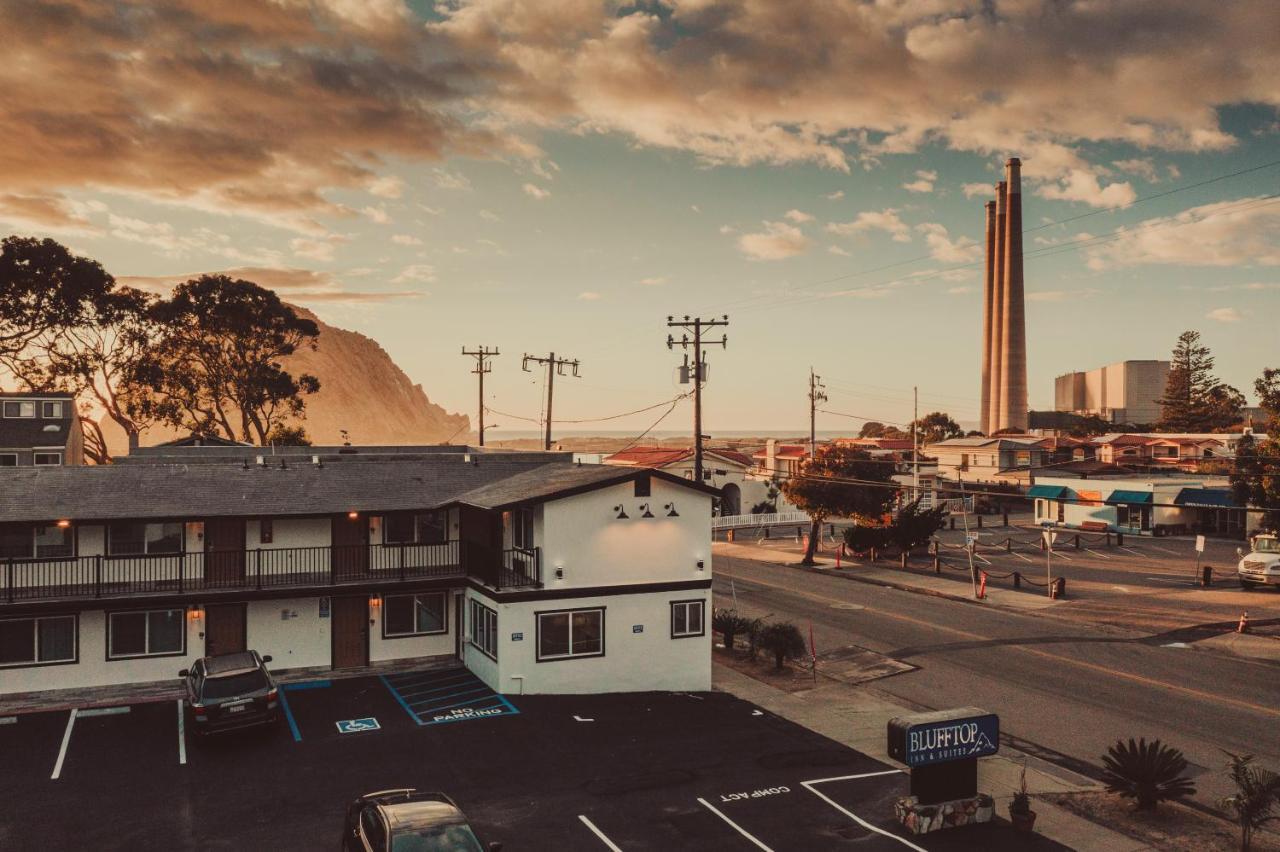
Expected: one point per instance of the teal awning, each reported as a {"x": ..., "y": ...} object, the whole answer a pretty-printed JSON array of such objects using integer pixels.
[
  {"x": 1048, "y": 492},
  {"x": 1211, "y": 498},
  {"x": 1129, "y": 497}
]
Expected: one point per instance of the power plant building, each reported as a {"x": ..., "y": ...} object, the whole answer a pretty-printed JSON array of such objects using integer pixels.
[
  {"x": 1124, "y": 392},
  {"x": 1004, "y": 327}
]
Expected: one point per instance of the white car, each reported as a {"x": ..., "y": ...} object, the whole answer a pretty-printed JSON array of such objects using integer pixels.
[{"x": 1261, "y": 566}]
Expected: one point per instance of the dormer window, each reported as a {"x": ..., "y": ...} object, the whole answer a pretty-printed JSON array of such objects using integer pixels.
[
  {"x": 51, "y": 410},
  {"x": 19, "y": 408}
]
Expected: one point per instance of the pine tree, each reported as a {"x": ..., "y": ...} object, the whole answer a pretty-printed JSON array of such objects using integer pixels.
[
  {"x": 1194, "y": 400},
  {"x": 1256, "y": 480}
]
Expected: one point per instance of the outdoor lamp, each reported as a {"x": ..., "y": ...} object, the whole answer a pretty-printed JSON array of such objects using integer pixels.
[
  {"x": 63, "y": 524},
  {"x": 646, "y": 513},
  {"x": 622, "y": 513},
  {"x": 671, "y": 510}
]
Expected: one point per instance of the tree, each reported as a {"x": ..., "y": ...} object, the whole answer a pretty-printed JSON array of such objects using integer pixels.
[
  {"x": 1225, "y": 407},
  {"x": 1257, "y": 795},
  {"x": 43, "y": 288},
  {"x": 842, "y": 482},
  {"x": 936, "y": 426},
  {"x": 1194, "y": 400},
  {"x": 871, "y": 429},
  {"x": 282, "y": 435},
  {"x": 913, "y": 526},
  {"x": 216, "y": 367},
  {"x": 1256, "y": 480},
  {"x": 1147, "y": 772},
  {"x": 860, "y": 538},
  {"x": 783, "y": 640},
  {"x": 729, "y": 624},
  {"x": 1089, "y": 425}
]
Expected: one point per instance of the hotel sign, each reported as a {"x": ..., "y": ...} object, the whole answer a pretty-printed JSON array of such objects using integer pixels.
[{"x": 924, "y": 739}]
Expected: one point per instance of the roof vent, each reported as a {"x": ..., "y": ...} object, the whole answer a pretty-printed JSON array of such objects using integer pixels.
[
  {"x": 261, "y": 461},
  {"x": 52, "y": 427},
  {"x": 283, "y": 466},
  {"x": 466, "y": 458},
  {"x": 315, "y": 460}
]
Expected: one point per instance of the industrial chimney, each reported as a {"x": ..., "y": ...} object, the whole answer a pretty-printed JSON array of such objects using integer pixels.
[{"x": 1013, "y": 338}]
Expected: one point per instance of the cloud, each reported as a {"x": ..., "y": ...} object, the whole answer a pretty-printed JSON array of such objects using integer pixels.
[
  {"x": 299, "y": 286},
  {"x": 588, "y": 296},
  {"x": 489, "y": 216},
  {"x": 728, "y": 229},
  {"x": 1224, "y": 315},
  {"x": 42, "y": 211},
  {"x": 1082, "y": 185},
  {"x": 536, "y": 192},
  {"x": 1143, "y": 167},
  {"x": 418, "y": 272},
  {"x": 377, "y": 214},
  {"x": 959, "y": 291},
  {"x": 447, "y": 179},
  {"x": 837, "y": 250},
  {"x": 321, "y": 250},
  {"x": 923, "y": 183},
  {"x": 388, "y": 186},
  {"x": 655, "y": 281},
  {"x": 978, "y": 189},
  {"x": 798, "y": 216},
  {"x": 945, "y": 249},
  {"x": 406, "y": 240},
  {"x": 776, "y": 242},
  {"x": 834, "y": 196},
  {"x": 870, "y": 220},
  {"x": 695, "y": 208},
  {"x": 1243, "y": 232}
]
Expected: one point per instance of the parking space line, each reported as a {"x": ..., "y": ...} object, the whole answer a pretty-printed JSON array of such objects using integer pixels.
[
  {"x": 1162, "y": 550},
  {"x": 1020, "y": 556},
  {"x": 8, "y": 720},
  {"x": 735, "y": 826},
  {"x": 598, "y": 833},
  {"x": 428, "y": 704},
  {"x": 809, "y": 785},
  {"x": 182, "y": 735},
  {"x": 1131, "y": 550},
  {"x": 103, "y": 711},
  {"x": 288, "y": 715},
  {"x": 399, "y": 699},
  {"x": 307, "y": 684},
  {"x": 416, "y": 693},
  {"x": 1097, "y": 554},
  {"x": 66, "y": 740}
]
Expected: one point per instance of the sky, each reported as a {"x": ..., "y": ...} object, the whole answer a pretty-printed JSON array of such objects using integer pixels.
[{"x": 561, "y": 175}]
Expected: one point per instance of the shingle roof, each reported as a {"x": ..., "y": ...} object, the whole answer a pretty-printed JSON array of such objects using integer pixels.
[{"x": 561, "y": 480}]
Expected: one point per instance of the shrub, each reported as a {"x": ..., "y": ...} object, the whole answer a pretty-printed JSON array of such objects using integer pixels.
[
  {"x": 729, "y": 623},
  {"x": 1147, "y": 772},
  {"x": 861, "y": 538},
  {"x": 783, "y": 640},
  {"x": 915, "y": 526},
  {"x": 1021, "y": 804},
  {"x": 1257, "y": 794}
]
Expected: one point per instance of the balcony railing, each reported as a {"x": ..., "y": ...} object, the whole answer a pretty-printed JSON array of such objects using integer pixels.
[{"x": 80, "y": 577}]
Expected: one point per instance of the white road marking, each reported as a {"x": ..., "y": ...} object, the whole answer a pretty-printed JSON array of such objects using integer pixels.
[
  {"x": 581, "y": 719},
  {"x": 980, "y": 558},
  {"x": 1131, "y": 550},
  {"x": 1121, "y": 589},
  {"x": 1097, "y": 554},
  {"x": 1162, "y": 550},
  {"x": 182, "y": 735},
  {"x": 1169, "y": 579},
  {"x": 735, "y": 826},
  {"x": 103, "y": 711},
  {"x": 1176, "y": 645},
  {"x": 598, "y": 833},
  {"x": 1023, "y": 558},
  {"x": 809, "y": 785},
  {"x": 66, "y": 740},
  {"x": 1058, "y": 554}
]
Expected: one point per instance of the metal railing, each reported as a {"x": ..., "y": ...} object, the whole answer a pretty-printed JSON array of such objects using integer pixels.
[
  {"x": 513, "y": 567},
  {"x": 725, "y": 522}
]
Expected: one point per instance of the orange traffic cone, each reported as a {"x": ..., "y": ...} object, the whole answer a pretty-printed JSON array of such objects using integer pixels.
[{"x": 1243, "y": 626}]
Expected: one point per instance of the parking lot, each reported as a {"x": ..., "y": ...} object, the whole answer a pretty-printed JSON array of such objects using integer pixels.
[{"x": 616, "y": 772}]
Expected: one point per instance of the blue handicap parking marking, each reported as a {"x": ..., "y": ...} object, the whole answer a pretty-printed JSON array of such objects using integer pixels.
[
  {"x": 355, "y": 726},
  {"x": 453, "y": 695}
]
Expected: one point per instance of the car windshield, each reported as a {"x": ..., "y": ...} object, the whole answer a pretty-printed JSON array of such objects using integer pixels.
[
  {"x": 1266, "y": 545},
  {"x": 436, "y": 838},
  {"x": 226, "y": 687}
]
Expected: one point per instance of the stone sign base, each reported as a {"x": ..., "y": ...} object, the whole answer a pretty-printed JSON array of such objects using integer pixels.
[{"x": 922, "y": 819}]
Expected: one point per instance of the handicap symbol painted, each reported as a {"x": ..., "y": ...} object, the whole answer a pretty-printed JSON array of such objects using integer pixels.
[{"x": 355, "y": 726}]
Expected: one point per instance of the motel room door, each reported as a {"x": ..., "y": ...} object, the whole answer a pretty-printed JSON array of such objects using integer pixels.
[
  {"x": 224, "y": 552},
  {"x": 350, "y": 632},
  {"x": 224, "y": 628},
  {"x": 350, "y": 547}
]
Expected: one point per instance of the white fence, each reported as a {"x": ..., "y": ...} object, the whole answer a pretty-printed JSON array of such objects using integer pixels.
[{"x": 727, "y": 522}]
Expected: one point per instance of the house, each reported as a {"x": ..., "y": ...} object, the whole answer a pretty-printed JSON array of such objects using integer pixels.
[
  {"x": 39, "y": 430},
  {"x": 1168, "y": 505},
  {"x": 981, "y": 459},
  {"x": 725, "y": 469},
  {"x": 538, "y": 574},
  {"x": 779, "y": 461}
]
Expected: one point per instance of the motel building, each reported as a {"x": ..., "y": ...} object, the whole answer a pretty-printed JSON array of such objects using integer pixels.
[
  {"x": 538, "y": 574},
  {"x": 1158, "y": 506}
]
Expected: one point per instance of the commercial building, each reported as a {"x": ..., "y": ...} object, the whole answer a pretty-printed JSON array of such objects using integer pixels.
[
  {"x": 538, "y": 574},
  {"x": 39, "y": 429},
  {"x": 1142, "y": 506},
  {"x": 1124, "y": 392}
]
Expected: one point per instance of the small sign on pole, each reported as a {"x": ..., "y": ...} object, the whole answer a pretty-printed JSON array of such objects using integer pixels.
[{"x": 1199, "y": 544}]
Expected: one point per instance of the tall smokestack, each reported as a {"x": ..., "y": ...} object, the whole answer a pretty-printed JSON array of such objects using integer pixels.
[
  {"x": 997, "y": 313},
  {"x": 1013, "y": 363},
  {"x": 988, "y": 317}
]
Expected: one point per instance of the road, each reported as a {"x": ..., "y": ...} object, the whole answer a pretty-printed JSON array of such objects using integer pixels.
[{"x": 1066, "y": 687}]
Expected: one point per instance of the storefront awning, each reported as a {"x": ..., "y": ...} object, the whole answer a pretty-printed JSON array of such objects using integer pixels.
[
  {"x": 1129, "y": 497},
  {"x": 1209, "y": 498},
  {"x": 1047, "y": 492}
]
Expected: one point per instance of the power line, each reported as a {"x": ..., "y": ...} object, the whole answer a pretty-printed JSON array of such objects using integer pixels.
[
  {"x": 697, "y": 373},
  {"x": 654, "y": 424},
  {"x": 554, "y": 366},
  {"x": 492, "y": 410},
  {"x": 483, "y": 365}
]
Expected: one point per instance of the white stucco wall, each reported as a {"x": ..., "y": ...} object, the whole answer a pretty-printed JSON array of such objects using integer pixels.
[
  {"x": 291, "y": 631},
  {"x": 403, "y": 647}
]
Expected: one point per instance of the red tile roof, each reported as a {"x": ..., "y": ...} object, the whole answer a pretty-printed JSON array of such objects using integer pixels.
[{"x": 663, "y": 456}]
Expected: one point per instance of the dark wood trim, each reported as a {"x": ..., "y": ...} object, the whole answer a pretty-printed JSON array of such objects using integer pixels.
[
  {"x": 383, "y": 619},
  {"x": 106, "y": 650},
  {"x": 537, "y": 633},
  {"x": 244, "y": 623},
  {"x": 703, "y": 632},
  {"x": 75, "y": 616},
  {"x": 588, "y": 591},
  {"x": 333, "y": 627}
]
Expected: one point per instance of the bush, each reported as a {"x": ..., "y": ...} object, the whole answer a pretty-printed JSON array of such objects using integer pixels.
[
  {"x": 783, "y": 640},
  {"x": 1257, "y": 794},
  {"x": 729, "y": 623},
  {"x": 1147, "y": 772},
  {"x": 914, "y": 526},
  {"x": 861, "y": 538}
]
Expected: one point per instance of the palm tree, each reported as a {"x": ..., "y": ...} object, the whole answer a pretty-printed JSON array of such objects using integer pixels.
[
  {"x": 1257, "y": 793},
  {"x": 1147, "y": 772}
]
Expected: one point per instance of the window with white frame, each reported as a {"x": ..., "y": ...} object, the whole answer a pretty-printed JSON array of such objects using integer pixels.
[
  {"x": 47, "y": 459},
  {"x": 521, "y": 521},
  {"x": 38, "y": 641},
  {"x": 146, "y": 633},
  {"x": 414, "y": 615},
  {"x": 483, "y": 629},
  {"x": 18, "y": 408},
  {"x": 571, "y": 633},
  {"x": 687, "y": 619},
  {"x": 51, "y": 410},
  {"x": 135, "y": 538}
]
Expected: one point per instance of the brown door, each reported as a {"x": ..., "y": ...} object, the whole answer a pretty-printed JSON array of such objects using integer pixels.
[
  {"x": 224, "y": 628},
  {"x": 224, "y": 552},
  {"x": 350, "y": 547},
  {"x": 350, "y": 632}
]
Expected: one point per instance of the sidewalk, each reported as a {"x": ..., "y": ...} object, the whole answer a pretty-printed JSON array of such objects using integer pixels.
[
  {"x": 949, "y": 585},
  {"x": 857, "y": 719}
]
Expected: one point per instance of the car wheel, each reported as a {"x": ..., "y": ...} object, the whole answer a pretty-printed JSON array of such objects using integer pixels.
[{"x": 1247, "y": 586}]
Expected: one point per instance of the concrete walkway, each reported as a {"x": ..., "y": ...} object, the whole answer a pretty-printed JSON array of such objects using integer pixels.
[{"x": 855, "y": 718}]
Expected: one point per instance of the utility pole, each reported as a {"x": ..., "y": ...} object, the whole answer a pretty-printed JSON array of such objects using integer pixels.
[
  {"x": 697, "y": 373},
  {"x": 554, "y": 365},
  {"x": 816, "y": 395},
  {"x": 481, "y": 354},
  {"x": 915, "y": 442}
]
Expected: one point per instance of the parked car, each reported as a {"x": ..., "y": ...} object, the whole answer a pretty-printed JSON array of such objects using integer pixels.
[
  {"x": 228, "y": 691},
  {"x": 406, "y": 820}
]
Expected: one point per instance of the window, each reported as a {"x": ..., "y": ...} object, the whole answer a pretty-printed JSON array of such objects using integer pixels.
[
  {"x": 1022, "y": 458},
  {"x": 571, "y": 633},
  {"x": 686, "y": 619},
  {"x": 132, "y": 538},
  {"x": 1062, "y": 510},
  {"x": 48, "y": 459},
  {"x": 24, "y": 541},
  {"x": 484, "y": 629},
  {"x": 1040, "y": 508},
  {"x": 642, "y": 486},
  {"x": 8, "y": 459},
  {"x": 13, "y": 408},
  {"x": 38, "y": 641},
  {"x": 53, "y": 541},
  {"x": 964, "y": 461},
  {"x": 414, "y": 615},
  {"x": 522, "y": 528},
  {"x": 51, "y": 410},
  {"x": 410, "y": 528},
  {"x": 371, "y": 827},
  {"x": 266, "y": 531},
  {"x": 153, "y": 633}
]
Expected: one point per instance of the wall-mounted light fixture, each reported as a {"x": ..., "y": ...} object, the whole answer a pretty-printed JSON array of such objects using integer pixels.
[
  {"x": 195, "y": 613},
  {"x": 559, "y": 572},
  {"x": 701, "y": 565},
  {"x": 353, "y": 515},
  {"x": 671, "y": 510},
  {"x": 63, "y": 524},
  {"x": 375, "y": 600},
  {"x": 622, "y": 513},
  {"x": 646, "y": 513}
]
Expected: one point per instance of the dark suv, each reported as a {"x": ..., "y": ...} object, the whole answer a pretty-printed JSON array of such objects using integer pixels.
[
  {"x": 408, "y": 821},
  {"x": 230, "y": 691}
]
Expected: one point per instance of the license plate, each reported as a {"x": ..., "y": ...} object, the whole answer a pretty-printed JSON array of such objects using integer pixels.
[{"x": 239, "y": 709}]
